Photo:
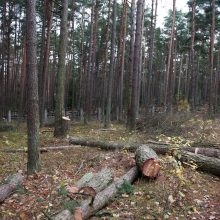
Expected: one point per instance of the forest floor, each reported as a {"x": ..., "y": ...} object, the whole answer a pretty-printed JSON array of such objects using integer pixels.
[{"x": 183, "y": 194}]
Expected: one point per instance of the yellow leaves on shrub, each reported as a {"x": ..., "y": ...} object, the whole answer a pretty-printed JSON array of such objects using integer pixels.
[{"x": 183, "y": 106}]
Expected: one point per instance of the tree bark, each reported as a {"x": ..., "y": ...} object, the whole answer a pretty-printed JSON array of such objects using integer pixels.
[
  {"x": 109, "y": 93},
  {"x": 144, "y": 153},
  {"x": 131, "y": 60},
  {"x": 7, "y": 189},
  {"x": 33, "y": 164},
  {"x": 60, "y": 90},
  {"x": 207, "y": 164},
  {"x": 136, "y": 64},
  {"x": 211, "y": 57},
  {"x": 170, "y": 55},
  {"x": 98, "y": 181},
  {"x": 160, "y": 148},
  {"x": 102, "y": 198},
  {"x": 49, "y": 5}
]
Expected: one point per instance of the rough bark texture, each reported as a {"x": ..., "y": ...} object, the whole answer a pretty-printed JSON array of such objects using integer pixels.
[
  {"x": 167, "y": 86},
  {"x": 97, "y": 181},
  {"x": 59, "y": 107},
  {"x": 102, "y": 198},
  {"x": 159, "y": 148},
  {"x": 136, "y": 62},
  {"x": 7, "y": 189},
  {"x": 109, "y": 92},
  {"x": 33, "y": 164},
  {"x": 144, "y": 153},
  {"x": 204, "y": 163}
]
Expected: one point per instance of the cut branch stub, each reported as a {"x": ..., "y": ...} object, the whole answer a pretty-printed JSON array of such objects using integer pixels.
[{"x": 150, "y": 168}]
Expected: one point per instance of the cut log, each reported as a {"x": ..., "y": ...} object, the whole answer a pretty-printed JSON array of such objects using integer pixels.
[
  {"x": 102, "y": 198},
  {"x": 206, "y": 164},
  {"x": 144, "y": 153},
  {"x": 11, "y": 185},
  {"x": 151, "y": 168},
  {"x": 159, "y": 148},
  {"x": 147, "y": 161},
  {"x": 206, "y": 145}
]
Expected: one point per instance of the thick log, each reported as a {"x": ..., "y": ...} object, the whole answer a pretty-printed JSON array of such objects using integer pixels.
[
  {"x": 12, "y": 182},
  {"x": 206, "y": 145},
  {"x": 159, "y": 148},
  {"x": 144, "y": 153},
  {"x": 102, "y": 198},
  {"x": 147, "y": 161},
  {"x": 205, "y": 163}
]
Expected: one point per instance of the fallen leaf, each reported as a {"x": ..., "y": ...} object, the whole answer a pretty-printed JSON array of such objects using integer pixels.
[{"x": 170, "y": 199}]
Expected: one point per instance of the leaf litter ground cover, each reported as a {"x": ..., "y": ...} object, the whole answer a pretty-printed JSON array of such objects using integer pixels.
[{"x": 182, "y": 194}]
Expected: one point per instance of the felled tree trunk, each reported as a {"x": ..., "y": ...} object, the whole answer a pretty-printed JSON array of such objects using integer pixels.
[
  {"x": 42, "y": 149},
  {"x": 98, "y": 182},
  {"x": 158, "y": 147},
  {"x": 102, "y": 198},
  {"x": 144, "y": 153},
  {"x": 147, "y": 161},
  {"x": 12, "y": 182},
  {"x": 207, "y": 164}
]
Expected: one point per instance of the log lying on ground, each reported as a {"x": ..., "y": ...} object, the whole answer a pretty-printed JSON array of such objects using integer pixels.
[
  {"x": 42, "y": 150},
  {"x": 158, "y": 147},
  {"x": 102, "y": 198},
  {"x": 98, "y": 182},
  {"x": 11, "y": 185},
  {"x": 206, "y": 145},
  {"x": 147, "y": 161},
  {"x": 207, "y": 164}
]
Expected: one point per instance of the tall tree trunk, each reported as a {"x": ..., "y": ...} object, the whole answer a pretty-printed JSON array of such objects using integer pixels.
[
  {"x": 81, "y": 84},
  {"x": 88, "y": 101},
  {"x": 112, "y": 61},
  {"x": 192, "y": 55},
  {"x": 131, "y": 61},
  {"x": 33, "y": 164},
  {"x": 211, "y": 57},
  {"x": 104, "y": 63},
  {"x": 122, "y": 58},
  {"x": 44, "y": 74},
  {"x": 136, "y": 64},
  {"x": 217, "y": 80},
  {"x": 167, "y": 87},
  {"x": 60, "y": 90}
]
